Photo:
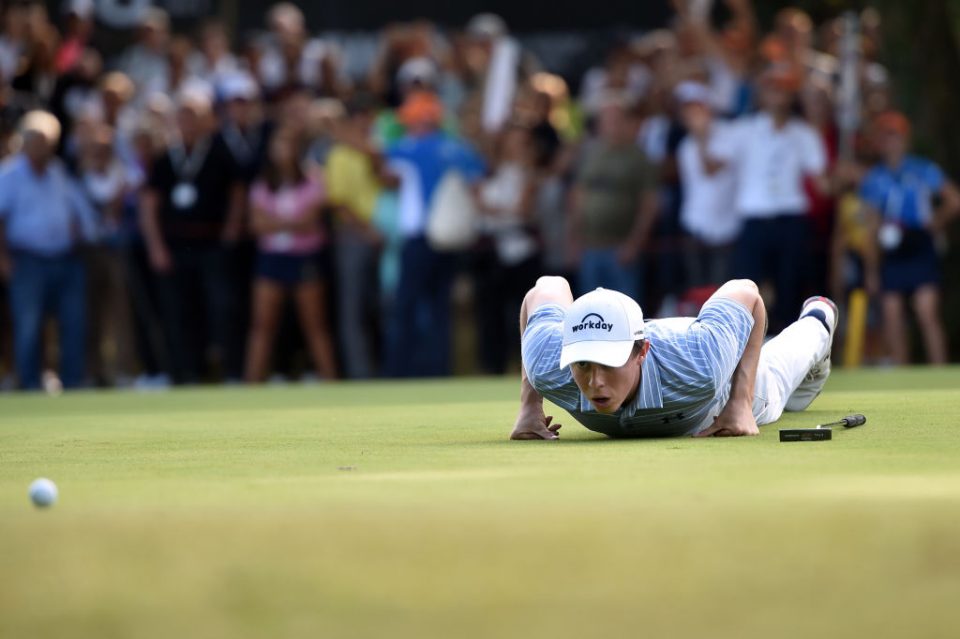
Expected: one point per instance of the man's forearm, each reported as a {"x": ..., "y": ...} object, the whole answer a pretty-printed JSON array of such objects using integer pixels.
[
  {"x": 529, "y": 397},
  {"x": 149, "y": 221},
  {"x": 548, "y": 290},
  {"x": 745, "y": 374},
  {"x": 233, "y": 226},
  {"x": 531, "y": 422}
]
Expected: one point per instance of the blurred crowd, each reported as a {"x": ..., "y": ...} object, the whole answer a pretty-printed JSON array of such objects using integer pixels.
[{"x": 196, "y": 208}]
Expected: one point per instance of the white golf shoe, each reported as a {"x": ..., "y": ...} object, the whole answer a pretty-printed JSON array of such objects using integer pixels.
[{"x": 812, "y": 384}]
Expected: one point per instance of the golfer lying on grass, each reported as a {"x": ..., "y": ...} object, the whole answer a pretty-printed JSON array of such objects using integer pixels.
[{"x": 712, "y": 375}]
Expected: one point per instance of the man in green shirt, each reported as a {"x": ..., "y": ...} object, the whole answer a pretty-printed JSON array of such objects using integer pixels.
[{"x": 614, "y": 203}]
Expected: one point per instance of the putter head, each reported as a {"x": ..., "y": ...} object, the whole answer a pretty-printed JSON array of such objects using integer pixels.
[{"x": 805, "y": 434}]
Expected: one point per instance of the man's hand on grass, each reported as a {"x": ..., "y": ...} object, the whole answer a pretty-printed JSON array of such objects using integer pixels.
[
  {"x": 735, "y": 420},
  {"x": 533, "y": 424}
]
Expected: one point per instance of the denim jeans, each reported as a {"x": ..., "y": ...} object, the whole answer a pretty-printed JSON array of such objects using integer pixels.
[
  {"x": 600, "y": 267},
  {"x": 42, "y": 285},
  {"x": 420, "y": 333}
]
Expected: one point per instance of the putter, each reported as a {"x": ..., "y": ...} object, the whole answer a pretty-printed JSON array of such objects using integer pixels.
[{"x": 822, "y": 432}]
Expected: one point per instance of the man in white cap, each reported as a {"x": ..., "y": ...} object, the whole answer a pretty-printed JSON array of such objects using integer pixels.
[
  {"x": 710, "y": 375},
  {"x": 243, "y": 131}
]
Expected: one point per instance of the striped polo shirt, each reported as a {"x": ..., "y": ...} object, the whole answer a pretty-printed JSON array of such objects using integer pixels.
[{"x": 684, "y": 377}]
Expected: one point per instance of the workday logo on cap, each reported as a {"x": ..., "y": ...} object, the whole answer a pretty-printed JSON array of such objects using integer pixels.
[
  {"x": 592, "y": 321},
  {"x": 601, "y": 327}
]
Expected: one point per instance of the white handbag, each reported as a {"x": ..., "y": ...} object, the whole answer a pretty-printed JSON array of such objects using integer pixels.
[{"x": 453, "y": 215}]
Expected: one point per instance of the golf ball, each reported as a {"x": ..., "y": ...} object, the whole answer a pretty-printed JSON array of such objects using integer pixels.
[{"x": 43, "y": 492}]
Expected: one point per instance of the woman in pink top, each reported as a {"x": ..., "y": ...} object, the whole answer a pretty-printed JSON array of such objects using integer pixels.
[{"x": 286, "y": 209}]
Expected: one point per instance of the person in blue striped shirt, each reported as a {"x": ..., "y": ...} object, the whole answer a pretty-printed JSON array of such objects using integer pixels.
[{"x": 711, "y": 375}]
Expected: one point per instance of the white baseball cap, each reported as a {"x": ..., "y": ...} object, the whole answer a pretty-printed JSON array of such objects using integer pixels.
[
  {"x": 601, "y": 327},
  {"x": 239, "y": 85},
  {"x": 487, "y": 25},
  {"x": 690, "y": 92},
  {"x": 419, "y": 69}
]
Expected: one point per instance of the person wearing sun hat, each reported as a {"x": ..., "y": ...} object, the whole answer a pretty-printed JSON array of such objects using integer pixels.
[
  {"x": 617, "y": 374},
  {"x": 423, "y": 156},
  {"x": 909, "y": 200}
]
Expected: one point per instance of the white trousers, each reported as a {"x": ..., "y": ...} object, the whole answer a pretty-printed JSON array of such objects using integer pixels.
[{"x": 784, "y": 363}]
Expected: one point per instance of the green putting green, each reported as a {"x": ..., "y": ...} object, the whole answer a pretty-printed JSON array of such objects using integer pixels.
[{"x": 402, "y": 510}]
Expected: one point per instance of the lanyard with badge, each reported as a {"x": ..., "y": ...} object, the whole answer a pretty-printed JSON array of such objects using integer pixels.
[
  {"x": 892, "y": 233},
  {"x": 185, "y": 167}
]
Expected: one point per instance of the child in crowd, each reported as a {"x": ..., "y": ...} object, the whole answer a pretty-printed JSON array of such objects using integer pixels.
[{"x": 286, "y": 210}]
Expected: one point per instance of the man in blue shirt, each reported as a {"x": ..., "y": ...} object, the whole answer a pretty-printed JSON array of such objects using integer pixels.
[
  {"x": 419, "y": 336},
  {"x": 909, "y": 201},
  {"x": 43, "y": 219},
  {"x": 706, "y": 376}
]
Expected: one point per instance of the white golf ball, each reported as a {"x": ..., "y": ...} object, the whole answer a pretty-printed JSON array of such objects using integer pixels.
[{"x": 43, "y": 492}]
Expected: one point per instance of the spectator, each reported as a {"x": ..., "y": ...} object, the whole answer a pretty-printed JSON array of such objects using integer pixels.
[
  {"x": 12, "y": 39},
  {"x": 213, "y": 62},
  {"x": 901, "y": 194},
  {"x": 353, "y": 178},
  {"x": 43, "y": 220},
  {"x": 614, "y": 204},
  {"x": 420, "y": 333},
  {"x": 291, "y": 59},
  {"x": 398, "y": 44},
  {"x": 106, "y": 183},
  {"x": 146, "y": 141},
  {"x": 323, "y": 116},
  {"x": 509, "y": 262},
  {"x": 77, "y": 33},
  {"x": 76, "y": 92},
  {"x": 35, "y": 76},
  {"x": 726, "y": 55},
  {"x": 536, "y": 110},
  {"x": 244, "y": 131},
  {"x": 502, "y": 66},
  {"x": 178, "y": 76},
  {"x": 146, "y": 60},
  {"x": 416, "y": 74},
  {"x": 707, "y": 212},
  {"x": 772, "y": 152},
  {"x": 286, "y": 207},
  {"x": 622, "y": 74},
  {"x": 191, "y": 214},
  {"x": 817, "y": 107},
  {"x": 660, "y": 138}
]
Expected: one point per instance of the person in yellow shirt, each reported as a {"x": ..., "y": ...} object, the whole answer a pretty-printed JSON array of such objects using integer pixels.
[{"x": 353, "y": 179}]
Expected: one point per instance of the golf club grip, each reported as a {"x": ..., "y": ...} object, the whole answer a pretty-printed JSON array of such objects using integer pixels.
[{"x": 854, "y": 420}]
